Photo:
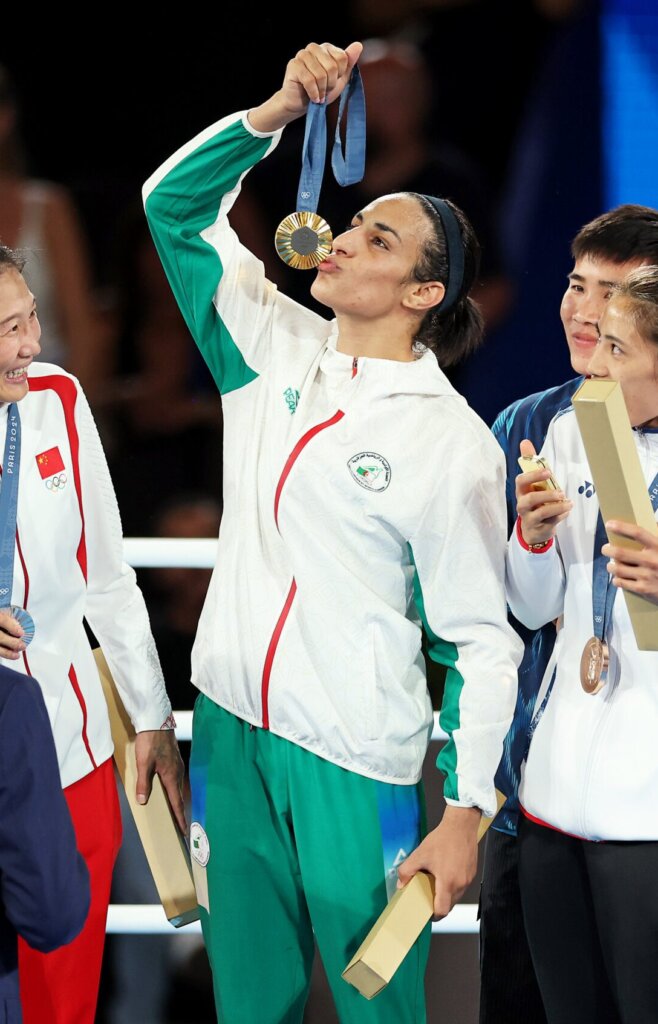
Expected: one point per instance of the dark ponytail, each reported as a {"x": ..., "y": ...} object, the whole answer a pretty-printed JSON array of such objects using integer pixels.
[{"x": 452, "y": 333}]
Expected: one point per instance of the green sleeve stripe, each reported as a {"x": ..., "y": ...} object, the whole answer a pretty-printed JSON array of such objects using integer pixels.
[
  {"x": 185, "y": 202},
  {"x": 444, "y": 653}
]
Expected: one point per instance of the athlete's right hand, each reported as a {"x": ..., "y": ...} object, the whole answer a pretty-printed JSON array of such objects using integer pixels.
[
  {"x": 317, "y": 74},
  {"x": 539, "y": 511},
  {"x": 12, "y": 644}
]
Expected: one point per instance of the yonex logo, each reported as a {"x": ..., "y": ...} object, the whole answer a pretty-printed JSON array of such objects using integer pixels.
[{"x": 588, "y": 489}]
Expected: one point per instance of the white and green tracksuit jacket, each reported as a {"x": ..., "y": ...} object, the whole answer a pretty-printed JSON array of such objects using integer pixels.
[{"x": 361, "y": 497}]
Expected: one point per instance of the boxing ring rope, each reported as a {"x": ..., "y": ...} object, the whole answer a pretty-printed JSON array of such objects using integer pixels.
[
  {"x": 145, "y": 919},
  {"x": 149, "y": 919},
  {"x": 184, "y": 727}
]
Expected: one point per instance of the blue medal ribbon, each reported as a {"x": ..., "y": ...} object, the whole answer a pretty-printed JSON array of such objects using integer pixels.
[
  {"x": 8, "y": 511},
  {"x": 603, "y": 600},
  {"x": 349, "y": 167}
]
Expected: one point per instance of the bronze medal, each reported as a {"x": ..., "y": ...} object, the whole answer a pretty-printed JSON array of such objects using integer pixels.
[
  {"x": 303, "y": 240},
  {"x": 594, "y": 665}
]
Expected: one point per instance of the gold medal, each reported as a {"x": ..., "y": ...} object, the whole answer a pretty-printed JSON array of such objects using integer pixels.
[
  {"x": 303, "y": 240},
  {"x": 594, "y": 665}
]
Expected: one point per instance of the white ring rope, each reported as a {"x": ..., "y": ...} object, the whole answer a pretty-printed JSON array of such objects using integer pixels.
[
  {"x": 149, "y": 919},
  {"x": 184, "y": 727},
  {"x": 170, "y": 552}
]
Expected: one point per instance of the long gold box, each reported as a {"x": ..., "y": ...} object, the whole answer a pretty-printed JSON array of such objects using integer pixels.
[
  {"x": 163, "y": 844},
  {"x": 620, "y": 485},
  {"x": 396, "y": 929}
]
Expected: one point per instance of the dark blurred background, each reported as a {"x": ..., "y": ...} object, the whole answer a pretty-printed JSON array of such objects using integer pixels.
[
  {"x": 513, "y": 101},
  {"x": 533, "y": 115}
]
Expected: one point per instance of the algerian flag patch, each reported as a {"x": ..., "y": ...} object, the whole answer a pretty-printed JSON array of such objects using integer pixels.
[{"x": 370, "y": 470}]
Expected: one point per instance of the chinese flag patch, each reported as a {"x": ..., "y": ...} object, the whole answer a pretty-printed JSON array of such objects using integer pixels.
[{"x": 49, "y": 462}]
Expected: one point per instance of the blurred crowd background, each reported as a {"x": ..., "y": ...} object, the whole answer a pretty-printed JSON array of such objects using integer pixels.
[{"x": 533, "y": 115}]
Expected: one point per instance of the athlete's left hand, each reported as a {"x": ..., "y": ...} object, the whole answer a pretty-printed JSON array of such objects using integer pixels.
[
  {"x": 634, "y": 570},
  {"x": 156, "y": 751},
  {"x": 450, "y": 854}
]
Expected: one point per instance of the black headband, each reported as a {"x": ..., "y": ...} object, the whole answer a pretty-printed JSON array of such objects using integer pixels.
[{"x": 455, "y": 252}]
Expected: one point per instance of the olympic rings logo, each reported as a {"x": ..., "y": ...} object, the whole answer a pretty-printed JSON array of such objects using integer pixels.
[{"x": 56, "y": 483}]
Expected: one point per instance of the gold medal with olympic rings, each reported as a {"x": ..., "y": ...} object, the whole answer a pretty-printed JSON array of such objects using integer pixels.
[{"x": 303, "y": 240}]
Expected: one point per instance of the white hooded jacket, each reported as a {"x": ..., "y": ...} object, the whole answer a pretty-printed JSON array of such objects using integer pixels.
[
  {"x": 361, "y": 497},
  {"x": 592, "y": 769}
]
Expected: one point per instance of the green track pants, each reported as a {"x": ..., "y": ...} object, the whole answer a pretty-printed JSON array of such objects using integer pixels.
[{"x": 286, "y": 846}]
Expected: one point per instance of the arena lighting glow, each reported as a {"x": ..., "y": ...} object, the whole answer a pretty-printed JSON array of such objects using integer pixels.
[{"x": 629, "y": 79}]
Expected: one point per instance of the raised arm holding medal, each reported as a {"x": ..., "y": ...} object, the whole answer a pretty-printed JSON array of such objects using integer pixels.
[
  {"x": 363, "y": 501},
  {"x": 304, "y": 239},
  {"x": 588, "y": 832}
]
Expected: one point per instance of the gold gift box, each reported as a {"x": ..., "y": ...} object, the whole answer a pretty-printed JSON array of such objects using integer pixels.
[
  {"x": 620, "y": 485},
  {"x": 163, "y": 843},
  {"x": 396, "y": 929}
]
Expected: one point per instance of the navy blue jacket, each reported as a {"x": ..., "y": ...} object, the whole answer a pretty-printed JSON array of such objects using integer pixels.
[
  {"x": 44, "y": 882},
  {"x": 527, "y": 418}
]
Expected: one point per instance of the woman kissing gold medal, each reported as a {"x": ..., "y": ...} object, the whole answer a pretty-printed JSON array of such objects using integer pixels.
[{"x": 303, "y": 239}]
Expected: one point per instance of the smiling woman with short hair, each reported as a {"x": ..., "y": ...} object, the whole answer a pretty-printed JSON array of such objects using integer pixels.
[
  {"x": 588, "y": 832},
  {"x": 62, "y": 563}
]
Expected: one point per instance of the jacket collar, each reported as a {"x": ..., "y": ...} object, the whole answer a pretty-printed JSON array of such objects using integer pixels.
[{"x": 422, "y": 376}]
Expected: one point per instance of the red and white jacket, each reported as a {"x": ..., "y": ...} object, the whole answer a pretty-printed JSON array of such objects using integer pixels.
[{"x": 69, "y": 566}]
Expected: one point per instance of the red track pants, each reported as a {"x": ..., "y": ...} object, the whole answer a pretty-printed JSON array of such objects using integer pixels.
[{"x": 62, "y": 987}]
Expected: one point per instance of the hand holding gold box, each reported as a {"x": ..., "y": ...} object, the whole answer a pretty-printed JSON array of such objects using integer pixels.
[
  {"x": 397, "y": 928},
  {"x": 163, "y": 844},
  {"x": 620, "y": 485}
]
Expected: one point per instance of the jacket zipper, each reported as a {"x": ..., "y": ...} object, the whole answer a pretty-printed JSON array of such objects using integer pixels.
[
  {"x": 290, "y": 597},
  {"x": 593, "y": 752}
]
